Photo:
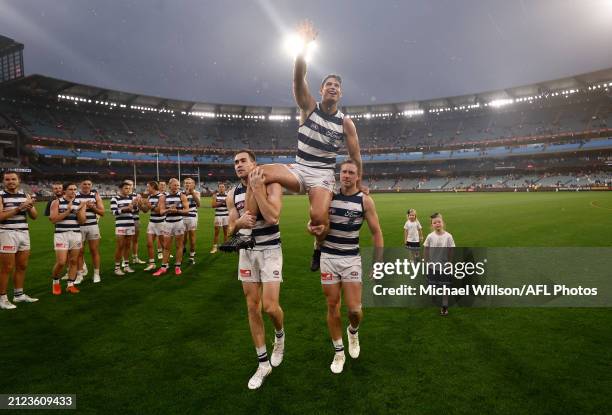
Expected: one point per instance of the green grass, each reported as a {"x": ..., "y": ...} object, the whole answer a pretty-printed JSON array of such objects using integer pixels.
[{"x": 182, "y": 345}]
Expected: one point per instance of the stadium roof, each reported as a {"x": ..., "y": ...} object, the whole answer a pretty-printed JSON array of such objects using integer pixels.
[
  {"x": 8, "y": 44},
  {"x": 46, "y": 87}
]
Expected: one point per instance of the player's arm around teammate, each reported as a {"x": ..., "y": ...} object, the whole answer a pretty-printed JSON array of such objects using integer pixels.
[
  {"x": 260, "y": 268},
  {"x": 269, "y": 198}
]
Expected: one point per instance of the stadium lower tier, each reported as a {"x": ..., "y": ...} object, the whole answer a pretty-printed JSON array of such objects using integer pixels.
[
  {"x": 534, "y": 182},
  {"x": 190, "y": 158}
]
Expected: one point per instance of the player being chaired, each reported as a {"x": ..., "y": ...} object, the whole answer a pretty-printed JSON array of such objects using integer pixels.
[
  {"x": 323, "y": 128},
  {"x": 259, "y": 268},
  {"x": 341, "y": 261}
]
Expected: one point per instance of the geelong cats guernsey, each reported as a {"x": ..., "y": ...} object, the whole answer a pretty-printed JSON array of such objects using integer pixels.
[
  {"x": 266, "y": 236},
  {"x": 122, "y": 219},
  {"x": 10, "y": 201},
  {"x": 221, "y": 210},
  {"x": 319, "y": 138},
  {"x": 90, "y": 215},
  {"x": 345, "y": 220},
  {"x": 70, "y": 222},
  {"x": 174, "y": 200}
]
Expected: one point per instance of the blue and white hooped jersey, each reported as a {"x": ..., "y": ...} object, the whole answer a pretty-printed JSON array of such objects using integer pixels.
[
  {"x": 346, "y": 215},
  {"x": 155, "y": 217},
  {"x": 193, "y": 208},
  {"x": 91, "y": 216},
  {"x": 70, "y": 223},
  {"x": 173, "y": 200},
  {"x": 319, "y": 138},
  {"x": 221, "y": 209},
  {"x": 122, "y": 219},
  {"x": 266, "y": 236},
  {"x": 10, "y": 201}
]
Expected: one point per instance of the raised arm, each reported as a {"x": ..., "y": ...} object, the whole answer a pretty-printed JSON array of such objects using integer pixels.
[{"x": 301, "y": 92}]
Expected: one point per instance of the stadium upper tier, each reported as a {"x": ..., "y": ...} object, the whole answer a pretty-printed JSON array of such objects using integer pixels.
[{"x": 52, "y": 110}]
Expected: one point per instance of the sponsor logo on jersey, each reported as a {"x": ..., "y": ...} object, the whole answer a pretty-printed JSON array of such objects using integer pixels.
[
  {"x": 245, "y": 273},
  {"x": 8, "y": 247},
  {"x": 333, "y": 135}
]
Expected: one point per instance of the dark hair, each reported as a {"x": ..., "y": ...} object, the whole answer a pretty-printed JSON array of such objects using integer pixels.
[
  {"x": 123, "y": 184},
  {"x": 332, "y": 75},
  {"x": 249, "y": 152},
  {"x": 153, "y": 184},
  {"x": 11, "y": 172},
  {"x": 87, "y": 179},
  {"x": 68, "y": 184},
  {"x": 436, "y": 215}
]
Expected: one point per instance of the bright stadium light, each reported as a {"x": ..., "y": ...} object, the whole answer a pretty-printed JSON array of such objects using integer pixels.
[
  {"x": 500, "y": 102},
  {"x": 295, "y": 45}
]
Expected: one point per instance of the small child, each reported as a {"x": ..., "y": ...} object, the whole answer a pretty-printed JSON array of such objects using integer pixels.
[
  {"x": 438, "y": 250},
  {"x": 413, "y": 234}
]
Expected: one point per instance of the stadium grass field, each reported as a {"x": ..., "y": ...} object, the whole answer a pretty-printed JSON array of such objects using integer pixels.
[{"x": 181, "y": 345}]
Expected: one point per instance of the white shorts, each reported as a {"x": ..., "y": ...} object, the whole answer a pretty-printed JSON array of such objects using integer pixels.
[
  {"x": 13, "y": 241},
  {"x": 155, "y": 228},
  {"x": 221, "y": 220},
  {"x": 90, "y": 232},
  {"x": 310, "y": 177},
  {"x": 260, "y": 266},
  {"x": 67, "y": 241},
  {"x": 173, "y": 228},
  {"x": 338, "y": 268},
  {"x": 190, "y": 223},
  {"x": 125, "y": 231}
]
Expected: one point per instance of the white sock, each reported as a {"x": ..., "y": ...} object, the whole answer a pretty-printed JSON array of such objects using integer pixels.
[
  {"x": 97, "y": 272},
  {"x": 338, "y": 346},
  {"x": 280, "y": 335},
  {"x": 262, "y": 355},
  {"x": 4, "y": 297}
]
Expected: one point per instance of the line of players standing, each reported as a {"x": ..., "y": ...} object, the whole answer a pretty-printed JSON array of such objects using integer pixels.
[{"x": 75, "y": 214}]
